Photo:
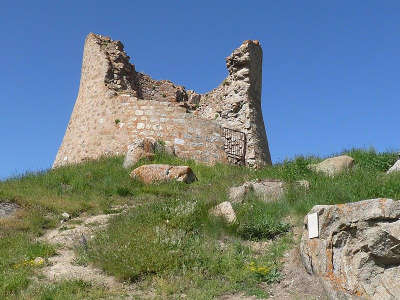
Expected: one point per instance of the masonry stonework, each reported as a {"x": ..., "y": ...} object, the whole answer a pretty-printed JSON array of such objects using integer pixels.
[{"x": 117, "y": 105}]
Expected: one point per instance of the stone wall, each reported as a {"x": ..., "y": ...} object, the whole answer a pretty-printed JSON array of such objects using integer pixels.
[
  {"x": 236, "y": 103},
  {"x": 116, "y": 105}
]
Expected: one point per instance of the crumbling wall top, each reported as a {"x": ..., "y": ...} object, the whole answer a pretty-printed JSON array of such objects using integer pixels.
[{"x": 112, "y": 90}]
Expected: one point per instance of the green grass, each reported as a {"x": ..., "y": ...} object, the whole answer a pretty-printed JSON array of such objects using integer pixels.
[
  {"x": 16, "y": 253},
  {"x": 168, "y": 243},
  {"x": 66, "y": 290},
  {"x": 176, "y": 243},
  {"x": 258, "y": 220}
]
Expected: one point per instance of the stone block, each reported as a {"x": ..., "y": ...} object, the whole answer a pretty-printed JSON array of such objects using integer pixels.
[{"x": 179, "y": 141}]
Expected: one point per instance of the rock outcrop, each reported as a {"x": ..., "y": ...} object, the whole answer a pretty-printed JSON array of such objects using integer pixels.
[
  {"x": 357, "y": 253},
  {"x": 267, "y": 189},
  {"x": 117, "y": 105},
  {"x": 161, "y": 173},
  {"x": 333, "y": 166}
]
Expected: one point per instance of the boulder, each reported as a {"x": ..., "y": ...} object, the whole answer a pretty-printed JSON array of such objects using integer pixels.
[
  {"x": 160, "y": 173},
  {"x": 225, "y": 211},
  {"x": 334, "y": 165},
  {"x": 357, "y": 252},
  {"x": 394, "y": 168},
  {"x": 267, "y": 189}
]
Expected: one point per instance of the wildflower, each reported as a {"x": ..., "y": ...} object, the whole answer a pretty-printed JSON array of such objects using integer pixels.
[
  {"x": 259, "y": 270},
  {"x": 37, "y": 262}
]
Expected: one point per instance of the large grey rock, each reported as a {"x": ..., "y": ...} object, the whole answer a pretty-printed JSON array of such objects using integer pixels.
[
  {"x": 225, "y": 211},
  {"x": 267, "y": 189},
  {"x": 394, "y": 168},
  {"x": 357, "y": 253},
  {"x": 334, "y": 165}
]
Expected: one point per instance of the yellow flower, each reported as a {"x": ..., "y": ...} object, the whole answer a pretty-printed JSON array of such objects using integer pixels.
[{"x": 37, "y": 262}]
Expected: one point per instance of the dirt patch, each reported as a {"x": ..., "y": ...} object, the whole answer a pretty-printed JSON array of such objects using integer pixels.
[
  {"x": 63, "y": 266},
  {"x": 68, "y": 236},
  {"x": 237, "y": 297},
  {"x": 296, "y": 282}
]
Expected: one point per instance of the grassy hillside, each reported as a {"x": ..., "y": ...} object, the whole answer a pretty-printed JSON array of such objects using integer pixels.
[{"x": 166, "y": 242}]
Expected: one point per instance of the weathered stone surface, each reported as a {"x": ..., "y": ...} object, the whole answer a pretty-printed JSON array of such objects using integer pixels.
[
  {"x": 333, "y": 166},
  {"x": 225, "y": 211},
  {"x": 141, "y": 148},
  {"x": 160, "y": 173},
  {"x": 267, "y": 189},
  {"x": 117, "y": 105},
  {"x": 193, "y": 99},
  {"x": 65, "y": 216},
  {"x": 7, "y": 209},
  {"x": 357, "y": 253},
  {"x": 159, "y": 90},
  {"x": 236, "y": 103},
  {"x": 237, "y": 193},
  {"x": 394, "y": 168}
]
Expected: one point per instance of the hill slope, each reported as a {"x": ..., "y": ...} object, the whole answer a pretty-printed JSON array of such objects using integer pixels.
[{"x": 165, "y": 244}]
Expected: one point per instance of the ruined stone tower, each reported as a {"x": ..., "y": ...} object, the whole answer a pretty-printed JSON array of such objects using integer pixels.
[{"x": 117, "y": 105}]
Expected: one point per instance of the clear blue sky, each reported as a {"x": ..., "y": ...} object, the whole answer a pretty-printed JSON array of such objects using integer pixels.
[{"x": 330, "y": 70}]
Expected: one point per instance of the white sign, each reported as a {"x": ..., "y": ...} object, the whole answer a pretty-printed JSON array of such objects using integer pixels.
[{"x": 312, "y": 225}]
